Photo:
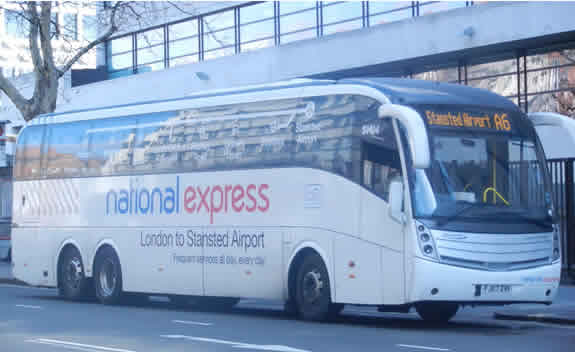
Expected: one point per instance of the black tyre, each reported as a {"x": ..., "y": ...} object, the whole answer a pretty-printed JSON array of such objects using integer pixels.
[
  {"x": 180, "y": 301},
  {"x": 312, "y": 291},
  {"x": 217, "y": 303},
  {"x": 108, "y": 277},
  {"x": 290, "y": 308},
  {"x": 135, "y": 299},
  {"x": 72, "y": 281},
  {"x": 436, "y": 312}
]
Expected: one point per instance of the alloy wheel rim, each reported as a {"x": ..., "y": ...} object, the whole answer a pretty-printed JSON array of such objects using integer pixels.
[
  {"x": 312, "y": 286},
  {"x": 108, "y": 278},
  {"x": 74, "y": 273}
]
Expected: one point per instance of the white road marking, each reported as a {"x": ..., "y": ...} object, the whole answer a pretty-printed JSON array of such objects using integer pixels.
[
  {"x": 64, "y": 346},
  {"x": 79, "y": 345},
  {"x": 27, "y": 306},
  {"x": 551, "y": 325},
  {"x": 187, "y": 322},
  {"x": 233, "y": 344},
  {"x": 25, "y": 287},
  {"x": 424, "y": 347}
]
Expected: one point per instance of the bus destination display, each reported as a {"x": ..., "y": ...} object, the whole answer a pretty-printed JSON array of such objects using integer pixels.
[{"x": 499, "y": 122}]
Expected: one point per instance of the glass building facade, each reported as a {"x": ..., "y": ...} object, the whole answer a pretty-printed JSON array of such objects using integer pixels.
[
  {"x": 536, "y": 80},
  {"x": 541, "y": 79},
  {"x": 252, "y": 26}
]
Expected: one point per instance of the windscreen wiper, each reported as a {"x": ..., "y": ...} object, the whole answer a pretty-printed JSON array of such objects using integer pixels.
[
  {"x": 539, "y": 222},
  {"x": 447, "y": 219}
]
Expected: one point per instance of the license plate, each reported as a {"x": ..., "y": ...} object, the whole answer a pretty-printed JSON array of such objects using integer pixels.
[{"x": 491, "y": 289}]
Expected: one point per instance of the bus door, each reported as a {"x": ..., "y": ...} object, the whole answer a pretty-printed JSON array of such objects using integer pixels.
[{"x": 382, "y": 248}]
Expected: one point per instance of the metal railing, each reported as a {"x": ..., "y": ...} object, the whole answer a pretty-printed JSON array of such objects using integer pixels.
[
  {"x": 562, "y": 176},
  {"x": 126, "y": 55}
]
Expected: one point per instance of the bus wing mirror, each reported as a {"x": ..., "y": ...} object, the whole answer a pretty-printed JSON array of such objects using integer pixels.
[
  {"x": 416, "y": 131},
  {"x": 396, "y": 201}
]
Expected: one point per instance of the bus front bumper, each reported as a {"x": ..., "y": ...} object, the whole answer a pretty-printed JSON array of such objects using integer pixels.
[{"x": 440, "y": 282}]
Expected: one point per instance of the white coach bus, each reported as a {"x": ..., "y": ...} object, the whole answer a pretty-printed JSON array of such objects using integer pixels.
[{"x": 395, "y": 193}]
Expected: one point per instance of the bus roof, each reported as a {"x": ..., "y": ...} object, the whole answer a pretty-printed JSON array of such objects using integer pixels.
[
  {"x": 419, "y": 92},
  {"x": 397, "y": 90}
]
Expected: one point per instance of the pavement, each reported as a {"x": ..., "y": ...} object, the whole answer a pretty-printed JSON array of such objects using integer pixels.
[{"x": 562, "y": 311}]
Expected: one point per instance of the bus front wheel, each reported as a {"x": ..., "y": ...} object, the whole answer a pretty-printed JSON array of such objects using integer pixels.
[
  {"x": 72, "y": 281},
  {"x": 437, "y": 312},
  {"x": 312, "y": 291},
  {"x": 108, "y": 276}
]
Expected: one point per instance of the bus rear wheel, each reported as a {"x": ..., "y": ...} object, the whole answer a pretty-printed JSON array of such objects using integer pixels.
[
  {"x": 108, "y": 276},
  {"x": 312, "y": 291},
  {"x": 72, "y": 281},
  {"x": 436, "y": 312}
]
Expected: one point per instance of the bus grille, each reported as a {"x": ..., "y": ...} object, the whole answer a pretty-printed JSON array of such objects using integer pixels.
[{"x": 494, "y": 252}]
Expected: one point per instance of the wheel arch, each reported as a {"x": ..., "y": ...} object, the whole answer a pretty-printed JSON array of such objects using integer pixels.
[
  {"x": 297, "y": 256},
  {"x": 64, "y": 246}
]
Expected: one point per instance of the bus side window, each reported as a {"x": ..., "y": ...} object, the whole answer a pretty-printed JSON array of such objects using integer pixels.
[
  {"x": 29, "y": 153},
  {"x": 66, "y": 150},
  {"x": 110, "y": 146},
  {"x": 380, "y": 166}
]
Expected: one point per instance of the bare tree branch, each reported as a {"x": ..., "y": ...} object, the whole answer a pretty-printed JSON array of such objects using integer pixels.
[
  {"x": 137, "y": 15},
  {"x": 111, "y": 30},
  {"x": 209, "y": 31},
  {"x": 33, "y": 37},
  {"x": 45, "y": 20},
  {"x": 35, "y": 19},
  {"x": 179, "y": 8},
  {"x": 13, "y": 94}
]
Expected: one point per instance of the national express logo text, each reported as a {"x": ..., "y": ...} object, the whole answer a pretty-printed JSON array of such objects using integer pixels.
[{"x": 209, "y": 200}]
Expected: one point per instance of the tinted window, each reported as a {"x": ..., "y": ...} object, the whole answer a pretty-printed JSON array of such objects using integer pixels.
[
  {"x": 29, "y": 153},
  {"x": 111, "y": 145},
  {"x": 319, "y": 132},
  {"x": 381, "y": 161},
  {"x": 66, "y": 153},
  {"x": 157, "y": 142}
]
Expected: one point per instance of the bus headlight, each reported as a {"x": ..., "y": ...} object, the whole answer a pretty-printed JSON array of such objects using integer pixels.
[
  {"x": 426, "y": 243},
  {"x": 556, "y": 244}
]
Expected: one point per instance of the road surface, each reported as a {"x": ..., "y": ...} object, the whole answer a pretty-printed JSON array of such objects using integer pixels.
[{"x": 33, "y": 319}]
